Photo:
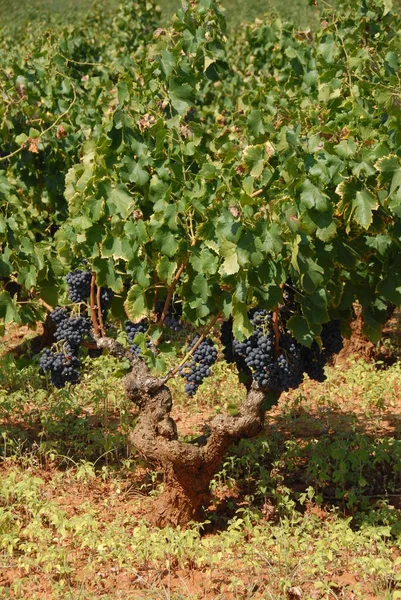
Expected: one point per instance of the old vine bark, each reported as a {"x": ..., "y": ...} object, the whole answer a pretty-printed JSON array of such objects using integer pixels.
[{"x": 187, "y": 467}]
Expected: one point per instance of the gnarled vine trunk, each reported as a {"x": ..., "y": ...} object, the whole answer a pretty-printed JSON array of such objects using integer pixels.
[{"x": 188, "y": 467}]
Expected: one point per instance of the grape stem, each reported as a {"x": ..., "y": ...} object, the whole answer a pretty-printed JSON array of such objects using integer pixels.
[
  {"x": 93, "y": 307},
  {"x": 155, "y": 295},
  {"x": 170, "y": 293},
  {"x": 257, "y": 193},
  {"x": 99, "y": 312},
  {"x": 275, "y": 320},
  {"x": 194, "y": 347},
  {"x": 45, "y": 304}
]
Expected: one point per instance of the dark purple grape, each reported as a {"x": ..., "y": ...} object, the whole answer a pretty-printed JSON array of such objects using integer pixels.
[
  {"x": 198, "y": 368},
  {"x": 133, "y": 329},
  {"x": 62, "y": 366},
  {"x": 70, "y": 329},
  {"x": 79, "y": 285}
]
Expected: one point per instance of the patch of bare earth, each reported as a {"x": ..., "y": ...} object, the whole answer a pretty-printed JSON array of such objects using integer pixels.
[{"x": 299, "y": 416}]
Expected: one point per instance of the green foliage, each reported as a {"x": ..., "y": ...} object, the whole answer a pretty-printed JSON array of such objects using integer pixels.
[
  {"x": 54, "y": 94},
  {"x": 68, "y": 426},
  {"x": 250, "y": 157}
]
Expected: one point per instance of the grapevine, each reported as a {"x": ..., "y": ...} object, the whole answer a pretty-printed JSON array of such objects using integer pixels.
[
  {"x": 250, "y": 176},
  {"x": 280, "y": 368},
  {"x": 63, "y": 366},
  {"x": 197, "y": 369}
]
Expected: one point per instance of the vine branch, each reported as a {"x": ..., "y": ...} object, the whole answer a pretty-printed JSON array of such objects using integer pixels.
[
  {"x": 45, "y": 304},
  {"x": 275, "y": 321},
  {"x": 170, "y": 293},
  {"x": 93, "y": 307},
  {"x": 99, "y": 312},
  {"x": 194, "y": 347}
]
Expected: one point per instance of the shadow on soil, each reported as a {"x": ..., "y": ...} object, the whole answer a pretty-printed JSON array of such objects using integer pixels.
[{"x": 332, "y": 460}]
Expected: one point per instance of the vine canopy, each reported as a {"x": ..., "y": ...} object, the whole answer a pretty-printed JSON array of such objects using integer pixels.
[{"x": 239, "y": 160}]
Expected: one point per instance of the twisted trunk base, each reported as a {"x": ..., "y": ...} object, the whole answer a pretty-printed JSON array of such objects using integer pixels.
[
  {"x": 188, "y": 467},
  {"x": 179, "y": 503}
]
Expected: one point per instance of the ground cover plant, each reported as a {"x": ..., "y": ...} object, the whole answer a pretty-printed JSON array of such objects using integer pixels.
[
  {"x": 312, "y": 504},
  {"x": 178, "y": 195}
]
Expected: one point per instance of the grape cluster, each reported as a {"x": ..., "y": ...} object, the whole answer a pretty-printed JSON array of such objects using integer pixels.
[
  {"x": 59, "y": 314},
  {"x": 132, "y": 330},
  {"x": 280, "y": 366},
  {"x": 196, "y": 370},
  {"x": 314, "y": 359},
  {"x": 331, "y": 337},
  {"x": 69, "y": 329},
  {"x": 79, "y": 289},
  {"x": 172, "y": 323},
  {"x": 287, "y": 372},
  {"x": 79, "y": 285},
  {"x": 63, "y": 366},
  {"x": 274, "y": 369},
  {"x": 106, "y": 296},
  {"x": 173, "y": 317},
  {"x": 257, "y": 350}
]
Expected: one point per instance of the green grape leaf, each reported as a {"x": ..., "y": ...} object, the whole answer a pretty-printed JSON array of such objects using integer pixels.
[
  {"x": 8, "y": 311},
  {"x": 121, "y": 200},
  {"x": 314, "y": 308},
  {"x": 363, "y": 205},
  {"x": 135, "y": 303},
  {"x": 301, "y": 330}
]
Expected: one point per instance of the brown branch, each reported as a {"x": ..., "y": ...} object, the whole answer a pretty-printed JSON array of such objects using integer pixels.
[
  {"x": 170, "y": 293},
  {"x": 194, "y": 347},
  {"x": 119, "y": 351},
  {"x": 226, "y": 428},
  {"x": 93, "y": 307},
  {"x": 275, "y": 320},
  {"x": 257, "y": 193},
  {"x": 188, "y": 468},
  {"x": 45, "y": 304},
  {"x": 89, "y": 345},
  {"x": 99, "y": 311}
]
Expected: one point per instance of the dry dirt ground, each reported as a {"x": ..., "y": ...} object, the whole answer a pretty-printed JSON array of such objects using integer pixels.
[{"x": 121, "y": 504}]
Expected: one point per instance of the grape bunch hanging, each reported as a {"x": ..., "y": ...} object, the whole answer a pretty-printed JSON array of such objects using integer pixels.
[
  {"x": 79, "y": 285},
  {"x": 198, "y": 368},
  {"x": 133, "y": 329},
  {"x": 172, "y": 321},
  {"x": 73, "y": 326},
  {"x": 273, "y": 357},
  {"x": 173, "y": 316}
]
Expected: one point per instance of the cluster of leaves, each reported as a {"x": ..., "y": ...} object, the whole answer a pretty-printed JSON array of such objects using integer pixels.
[
  {"x": 55, "y": 91},
  {"x": 236, "y": 160}
]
